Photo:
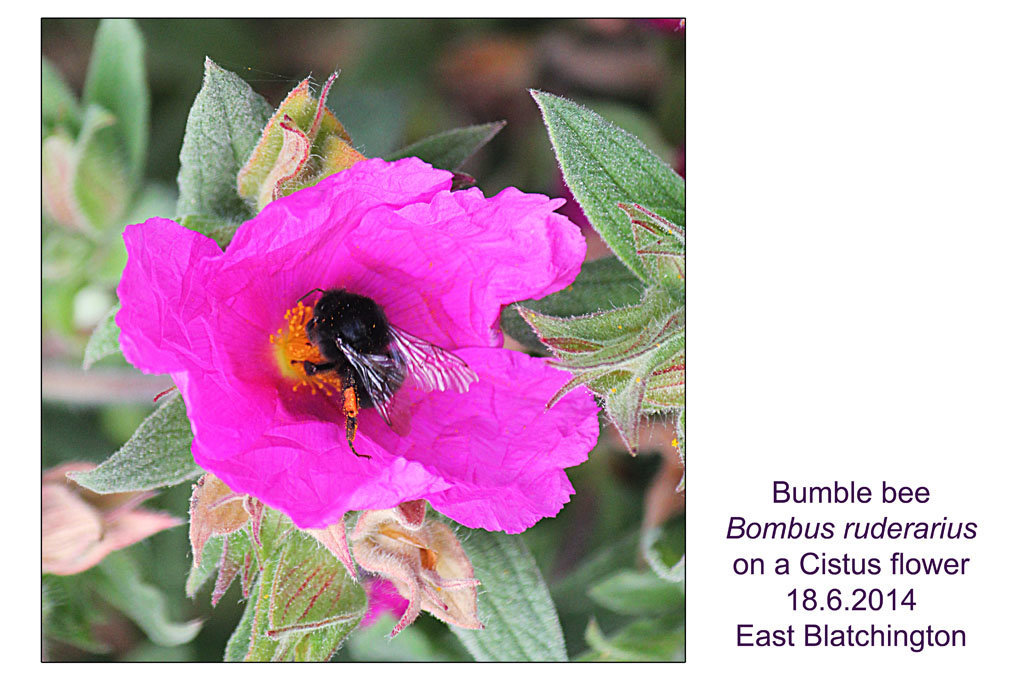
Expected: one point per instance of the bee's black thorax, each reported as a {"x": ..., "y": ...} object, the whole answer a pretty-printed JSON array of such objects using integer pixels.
[
  {"x": 361, "y": 325},
  {"x": 356, "y": 320}
]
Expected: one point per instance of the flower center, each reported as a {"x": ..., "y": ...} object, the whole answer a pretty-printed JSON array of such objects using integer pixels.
[{"x": 292, "y": 349}]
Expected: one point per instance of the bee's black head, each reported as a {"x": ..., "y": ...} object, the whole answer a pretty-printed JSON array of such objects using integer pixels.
[{"x": 356, "y": 320}]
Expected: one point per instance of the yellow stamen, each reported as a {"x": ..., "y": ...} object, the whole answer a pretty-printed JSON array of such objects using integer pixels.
[{"x": 292, "y": 344}]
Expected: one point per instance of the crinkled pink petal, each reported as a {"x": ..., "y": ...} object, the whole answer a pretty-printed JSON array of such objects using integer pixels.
[
  {"x": 164, "y": 303},
  {"x": 441, "y": 264},
  {"x": 500, "y": 450},
  {"x": 492, "y": 457}
]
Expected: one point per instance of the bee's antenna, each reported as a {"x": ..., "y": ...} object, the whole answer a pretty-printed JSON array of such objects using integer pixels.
[{"x": 315, "y": 289}]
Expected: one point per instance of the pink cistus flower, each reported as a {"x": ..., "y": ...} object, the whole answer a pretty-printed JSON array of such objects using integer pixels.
[{"x": 229, "y": 327}]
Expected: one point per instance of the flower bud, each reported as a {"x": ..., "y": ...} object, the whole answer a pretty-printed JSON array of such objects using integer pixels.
[
  {"x": 81, "y": 527},
  {"x": 215, "y": 510},
  {"x": 301, "y": 144},
  {"x": 424, "y": 561}
]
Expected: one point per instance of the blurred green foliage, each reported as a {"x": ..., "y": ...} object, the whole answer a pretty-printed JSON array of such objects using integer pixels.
[{"x": 401, "y": 81}]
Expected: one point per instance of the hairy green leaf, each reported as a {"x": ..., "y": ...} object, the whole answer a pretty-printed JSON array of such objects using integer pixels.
[
  {"x": 604, "y": 165},
  {"x": 666, "y": 386},
  {"x": 263, "y": 648},
  {"x": 307, "y": 604},
  {"x": 620, "y": 354},
  {"x": 603, "y": 284},
  {"x": 116, "y": 81},
  {"x": 312, "y": 590},
  {"x": 103, "y": 341},
  {"x": 240, "y": 641},
  {"x": 274, "y": 529},
  {"x": 237, "y": 558},
  {"x": 199, "y": 574},
  {"x": 450, "y": 149},
  {"x": 119, "y": 581},
  {"x": 661, "y": 246},
  {"x": 637, "y": 122},
  {"x": 520, "y": 622},
  {"x": 158, "y": 454},
  {"x": 612, "y": 330},
  {"x": 223, "y": 127}
]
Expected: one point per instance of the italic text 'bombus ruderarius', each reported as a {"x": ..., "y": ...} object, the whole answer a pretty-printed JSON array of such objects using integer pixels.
[{"x": 373, "y": 358}]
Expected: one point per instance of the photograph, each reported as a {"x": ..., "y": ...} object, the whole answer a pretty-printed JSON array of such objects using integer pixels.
[{"x": 363, "y": 340}]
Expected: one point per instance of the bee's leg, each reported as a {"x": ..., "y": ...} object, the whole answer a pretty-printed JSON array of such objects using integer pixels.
[
  {"x": 350, "y": 405},
  {"x": 313, "y": 368}
]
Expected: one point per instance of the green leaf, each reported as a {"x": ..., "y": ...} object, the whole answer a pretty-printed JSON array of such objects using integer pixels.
[
  {"x": 236, "y": 560},
  {"x": 601, "y": 285},
  {"x": 274, "y": 528},
  {"x": 218, "y": 229},
  {"x": 223, "y": 127},
  {"x": 513, "y": 603},
  {"x": 633, "y": 592},
  {"x": 103, "y": 341},
  {"x": 646, "y": 640},
  {"x": 241, "y": 639},
  {"x": 450, "y": 149},
  {"x": 661, "y": 246},
  {"x": 199, "y": 575},
  {"x": 158, "y": 454},
  {"x": 637, "y": 122},
  {"x": 116, "y": 81},
  {"x": 59, "y": 104},
  {"x": 307, "y": 604},
  {"x": 100, "y": 183},
  {"x": 617, "y": 353},
  {"x": 119, "y": 581},
  {"x": 69, "y": 613},
  {"x": 604, "y": 165},
  {"x": 666, "y": 386},
  {"x": 262, "y": 648},
  {"x": 312, "y": 590},
  {"x": 658, "y": 555},
  {"x": 570, "y": 593}
]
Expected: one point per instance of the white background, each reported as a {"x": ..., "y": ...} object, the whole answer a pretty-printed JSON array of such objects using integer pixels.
[
  {"x": 854, "y": 247},
  {"x": 854, "y": 309}
]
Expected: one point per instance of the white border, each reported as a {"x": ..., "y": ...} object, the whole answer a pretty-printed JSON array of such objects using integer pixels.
[{"x": 854, "y": 303}]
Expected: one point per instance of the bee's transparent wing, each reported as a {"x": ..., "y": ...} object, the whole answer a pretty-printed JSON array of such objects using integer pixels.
[
  {"x": 429, "y": 367},
  {"x": 377, "y": 374}
]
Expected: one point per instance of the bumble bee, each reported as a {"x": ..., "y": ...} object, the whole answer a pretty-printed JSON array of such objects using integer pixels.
[{"x": 373, "y": 358}]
